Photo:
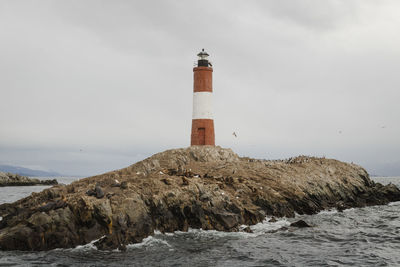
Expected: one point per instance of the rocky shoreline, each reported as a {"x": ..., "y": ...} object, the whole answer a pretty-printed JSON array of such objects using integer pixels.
[
  {"x": 10, "y": 179},
  {"x": 199, "y": 187}
]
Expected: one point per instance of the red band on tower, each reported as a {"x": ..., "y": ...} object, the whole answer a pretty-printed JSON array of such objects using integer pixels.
[
  {"x": 202, "y": 79},
  {"x": 202, "y": 132}
]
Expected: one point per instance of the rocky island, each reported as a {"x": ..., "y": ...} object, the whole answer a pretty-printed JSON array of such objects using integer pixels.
[
  {"x": 199, "y": 187},
  {"x": 10, "y": 179}
]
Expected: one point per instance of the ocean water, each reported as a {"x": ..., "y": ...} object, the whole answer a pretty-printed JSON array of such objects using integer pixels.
[{"x": 356, "y": 237}]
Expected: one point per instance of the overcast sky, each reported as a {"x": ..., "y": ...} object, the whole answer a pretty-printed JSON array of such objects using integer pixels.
[{"x": 91, "y": 86}]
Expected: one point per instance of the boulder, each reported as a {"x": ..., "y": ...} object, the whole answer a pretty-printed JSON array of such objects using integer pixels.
[{"x": 300, "y": 224}]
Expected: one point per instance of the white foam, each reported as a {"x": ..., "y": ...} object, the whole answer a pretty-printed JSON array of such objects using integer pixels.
[
  {"x": 211, "y": 233},
  {"x": 89, "y": 246},
  {"x": 258, "y": 229},
  {"x": 349, "y": 210},
  {"x": 397, "y": 203},
  {"x": 157, "y": 232},
  {"x": 266, "y": 226},
  {"x": 328, "y": 212},
  {"x": 149, "y": 241}
]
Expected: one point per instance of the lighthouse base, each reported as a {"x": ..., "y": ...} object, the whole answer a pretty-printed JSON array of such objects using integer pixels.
[{"x": 202, "y": 132}]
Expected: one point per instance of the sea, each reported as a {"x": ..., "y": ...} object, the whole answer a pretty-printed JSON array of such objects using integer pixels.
[{"x": 367, "y": 236}]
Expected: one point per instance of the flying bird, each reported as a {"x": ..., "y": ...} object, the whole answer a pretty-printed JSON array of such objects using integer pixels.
[{"x": 234, "y": 134}]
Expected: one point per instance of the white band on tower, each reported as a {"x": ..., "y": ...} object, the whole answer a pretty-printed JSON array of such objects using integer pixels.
[{"x": 202, "y": 105}]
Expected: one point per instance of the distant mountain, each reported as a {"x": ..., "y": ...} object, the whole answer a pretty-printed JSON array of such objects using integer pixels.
[
  {"x": 386, "y": 169},
  {"x": 27, "y": 172}
]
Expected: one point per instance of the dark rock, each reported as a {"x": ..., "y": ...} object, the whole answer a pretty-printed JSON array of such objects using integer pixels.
[
  {"x": 228, "y": 220},
  {"x": 247, "y": 230},
  {"x": 273, "y": 219},
  {"x": 389, "y": 191},
  {"x": 166, "y": 181},
  {"x": 185, "y": 181},
  {"x": 340, "y": 206},
  {"x": 91, "y": 192},
  {"x": 49, "y": 182},
  {"x": 173, "y": 172},
  {"x": 300, "y": 224},
  {"x": 99, "y": 191},
  {"x": 49, "y": 206},
  {"x": 110, "y": 195},
  {"x": 53, "y": 205},
  {"x": 124, "y": 185}
]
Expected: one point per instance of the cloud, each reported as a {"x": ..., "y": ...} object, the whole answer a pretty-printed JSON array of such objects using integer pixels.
[
  {"x": 312, "y": 14},
  {"x": 117, "y": 76}
]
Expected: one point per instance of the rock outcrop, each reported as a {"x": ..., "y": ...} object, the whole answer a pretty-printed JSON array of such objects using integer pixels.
[
  {"x": 197, "y": 187},
  {"x": 10, "y": 179}
]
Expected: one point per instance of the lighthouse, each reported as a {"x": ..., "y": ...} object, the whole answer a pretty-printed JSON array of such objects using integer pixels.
[{"x": 202, "y": 117}]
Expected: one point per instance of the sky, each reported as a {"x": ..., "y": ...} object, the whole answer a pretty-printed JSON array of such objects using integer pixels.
[{"x": 92, "y": 86}]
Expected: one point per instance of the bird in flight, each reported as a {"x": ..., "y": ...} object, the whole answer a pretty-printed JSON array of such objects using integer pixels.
[{"x": 234, "y": 134}]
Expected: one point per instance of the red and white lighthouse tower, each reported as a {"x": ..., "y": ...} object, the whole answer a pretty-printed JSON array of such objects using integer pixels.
[{"x": 202, "y": 118}]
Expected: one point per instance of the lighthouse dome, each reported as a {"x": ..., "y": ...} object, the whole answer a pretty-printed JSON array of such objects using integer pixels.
[
  {"x": 203, "y": 54},
  {"x": 203, "y": 59}
]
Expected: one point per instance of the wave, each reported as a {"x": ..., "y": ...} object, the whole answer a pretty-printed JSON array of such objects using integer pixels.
[
  {"x": 397, "y": 203},
  {"x": 150, "y": 241},
  {"x": 87, "y": 247},
  {"x": 267, "y": 226}
]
